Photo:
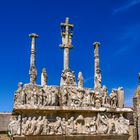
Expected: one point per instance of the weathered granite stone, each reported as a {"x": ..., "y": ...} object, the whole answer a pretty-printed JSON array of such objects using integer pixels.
[{"x": 68, "y": 111}]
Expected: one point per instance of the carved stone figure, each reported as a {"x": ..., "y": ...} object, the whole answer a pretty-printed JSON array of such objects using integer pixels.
[
  {"x": 39, "y": 126},
  {"x": 23, "y": 97},
  {"x": 114, "y": 98},
  {"x": 24, "y": 125},
  {"x": 54, "y": 96},
  {"x": 44, "y": 77},
  {"x": 12, "y": 130},
  {"x": 123, "y": 125},
  {"x": 63, "y": 125},
  {"x": 45, "y": 99},
  {"x": 105, "y": 97},
  {"x": 102, "y": 124},
  {"x": 98, "y": 79},
  {"x": 40, "y": 97},
  {"x": 73, "y": 98},
  {"x": 33, "y": 126},
  {"x": 87, "y": 99},
  {"x": 27, "y": 126},
  {"x": 93, "y": 125},
  {"x": 64, "y": 96},
  {"x": 57, "y": 126},
  {"x": 46, "y": 127},
  {"x": 111, "y": 124},
  {"x": 80, "y": 124},
  {"x": 68, "y": 78},
  {"x": 18, "y": 98},
  {"x": 71, "y": 126},
  {"x": 80, "y": 80},
  {"x": 97, "y": 103}
]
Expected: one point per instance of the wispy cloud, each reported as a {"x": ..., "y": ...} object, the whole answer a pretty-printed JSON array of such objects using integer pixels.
[
  {"x": 128, "y": 39},
  {"x": 126, "y": 6},
  {"x": 88, "y": 79}
]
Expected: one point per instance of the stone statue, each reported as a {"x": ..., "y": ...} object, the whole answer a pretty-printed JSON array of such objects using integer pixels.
[
  {"x": 93, "y": 125},
  {"x": 39, "y": 126},
  {"x": 73, "y": 98},
  {"x": 123, "y": 125},
  {"x": 68, "y": 78},
  {"x": 40, "y": 97},
  {"x": 80, "y": 80},
  {"x": 33, "y": 126},
  {"x": 46, "y": 127},
  {"x": 102, "y": 124},
  {"x": 45, "y": 99},
  {"x": 12, "y": 130},
  {"x": 114, "y": 98},
  {"x": 98, "y": 79},
  {"x": 80, "y": 122},
  {"x": 54, "y": 97},
  {"x": 57, "y": 126},
  {"x": 27, "y": 126},
  {"x": 63, "y": 125},
  {"x": 87, "y": 99},
  {"x": 111, "y": 124},
  {"x": 71, "y": 126},
  {"x": 64, "y": 96},
  {"x": 44, "y": 77},
  {"x": 18, "y": 98},
  {"x": 24, "y": 125}
]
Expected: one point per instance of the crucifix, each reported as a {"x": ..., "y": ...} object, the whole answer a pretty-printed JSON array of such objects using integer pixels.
[{"x": 66, "y": 33}]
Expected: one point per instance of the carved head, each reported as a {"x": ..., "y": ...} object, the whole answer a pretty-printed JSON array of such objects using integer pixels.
[
  {"x": 72, "y": 118},
  {"x": 39, "y": 118},
  {"x": 34, "y": 118},
  {"x": 19, "y": 117},
  {"x": 94, "y": 118},
  {"x": 20, "y": 85},
  {"x": 29, "y": 118},
  {"x": 63, "y": 119}
]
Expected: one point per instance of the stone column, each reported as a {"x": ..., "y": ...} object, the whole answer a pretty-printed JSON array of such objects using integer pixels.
[
  {"x": 120, "y": 97},
  {"x": 66, "y": 58},
  {"x": 33, "y": 70},
  {"x": 97, "y": 71}
]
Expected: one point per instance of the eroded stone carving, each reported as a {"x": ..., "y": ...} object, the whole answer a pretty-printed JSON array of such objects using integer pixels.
[
  {"x": 80, "y": 80},
  {"x": 33, "y": 96},
  {"x": 98, "y": 124}
]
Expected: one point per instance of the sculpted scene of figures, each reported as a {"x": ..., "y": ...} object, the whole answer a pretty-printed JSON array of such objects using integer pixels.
[
  {"x": 41, "y": 96},
  {"x": 98, "y": 124}
]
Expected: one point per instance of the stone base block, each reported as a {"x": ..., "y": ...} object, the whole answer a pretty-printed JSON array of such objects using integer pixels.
[{"x": 97, "y": 137}]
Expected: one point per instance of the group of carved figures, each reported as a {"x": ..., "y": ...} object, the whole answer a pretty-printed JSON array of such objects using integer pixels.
[
  {"x": 79, "y": 97},
  {"x": 36, "y": 96},
  {"x": 100, "y": 124},
  {"x": 66, "y": 96}
]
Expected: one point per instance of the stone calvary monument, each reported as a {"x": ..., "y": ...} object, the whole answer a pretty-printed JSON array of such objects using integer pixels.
[{"x": 69, "y": 111}]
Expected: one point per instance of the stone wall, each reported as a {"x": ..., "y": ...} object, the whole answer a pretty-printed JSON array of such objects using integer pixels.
[{"x": 4, "y": 121}]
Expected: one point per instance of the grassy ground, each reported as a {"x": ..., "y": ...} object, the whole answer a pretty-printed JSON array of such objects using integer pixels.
[{"x": 4, "y": 137}]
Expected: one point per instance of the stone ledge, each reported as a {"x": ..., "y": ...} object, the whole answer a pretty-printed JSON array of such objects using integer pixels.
[
  {"x": 68, "y": 109},
  {"x": 75, "y": 137}
]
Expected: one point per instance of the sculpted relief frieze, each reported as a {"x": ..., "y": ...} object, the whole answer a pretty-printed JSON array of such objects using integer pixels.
[
  {"x": 40, "y": 97},
  {"x": 100, "y": 123}
]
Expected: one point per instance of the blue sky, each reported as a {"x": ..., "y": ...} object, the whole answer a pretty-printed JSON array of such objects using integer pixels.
[{"x": 115, "y": 23}]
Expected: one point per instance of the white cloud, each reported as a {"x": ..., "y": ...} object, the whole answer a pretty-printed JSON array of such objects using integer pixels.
[{"x": 125, "y": 7}]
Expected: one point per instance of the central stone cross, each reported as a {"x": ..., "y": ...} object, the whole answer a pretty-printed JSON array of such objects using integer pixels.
[{"x": 66, "y": 33}]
